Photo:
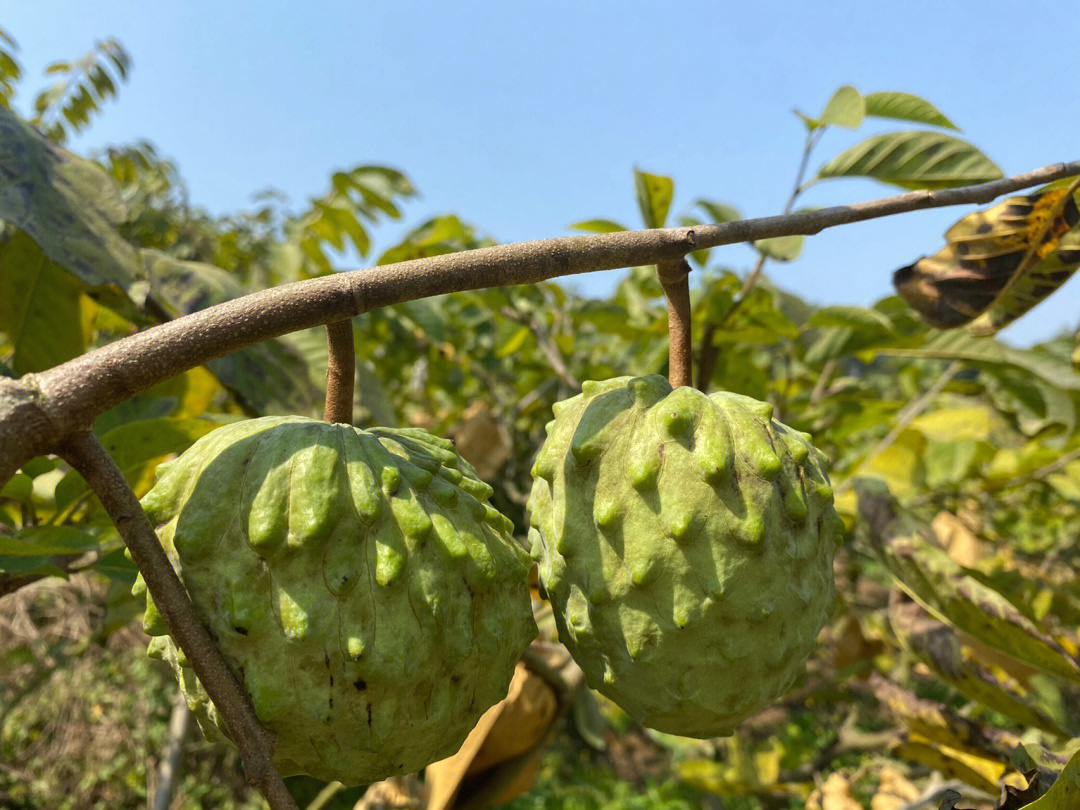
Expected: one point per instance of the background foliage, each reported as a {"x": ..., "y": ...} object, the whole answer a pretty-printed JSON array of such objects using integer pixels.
[{"x": 951, "y": 659}]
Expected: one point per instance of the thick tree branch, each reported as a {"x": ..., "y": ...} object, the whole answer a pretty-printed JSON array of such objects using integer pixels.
[
  {"x": 87, "y": 455},
  {"x": 340, "y": 372},
  {"x": 674, "y": 278},
  {"x": 39, "y": 411}
]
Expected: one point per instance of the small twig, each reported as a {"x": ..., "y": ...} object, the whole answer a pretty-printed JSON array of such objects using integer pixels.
[
  {"x": 938, "y": 790},
  {"x": 87, "y": 455},
  {"x": 545, "y": 344},
  {"x": 324, "y": 796},
  {"x": 905, "y": 418},
  {"x": 709, "y": 353},
  {"x": 169, "y": 768},
  {"x": 821, "y": 386},
  {"x": 674, "y": 278},
  {"x": 340, "y": 372}
]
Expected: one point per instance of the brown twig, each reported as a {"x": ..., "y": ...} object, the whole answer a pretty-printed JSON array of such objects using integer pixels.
[
  {"x": 39, "y": 411},
  {"x": 340, "y": 372},
  {"x": 546, "y": 345},
  {"x": 710, "y": 353},
  {"x": 87, "y": 455},
  {"x": 674, "y": 278}
]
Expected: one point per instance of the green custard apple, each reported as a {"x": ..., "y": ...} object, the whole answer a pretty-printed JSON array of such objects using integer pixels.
[
  {"x": 686, "y": 544},
  {"x": 357, "y": 582}
]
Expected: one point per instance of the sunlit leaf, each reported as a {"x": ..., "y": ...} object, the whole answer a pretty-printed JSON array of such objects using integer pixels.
[
  {"x": 719, "y": 212},
  {"x": 846, "y": 108},
  {"x": 916, "y": 159},
  {"x": 597, "y": 226},
  {"x": 905, "y": 107}
]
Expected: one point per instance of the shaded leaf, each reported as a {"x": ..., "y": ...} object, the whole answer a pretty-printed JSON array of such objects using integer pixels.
[
  {"x": 69, "y": 206},
  {"x": 916, "y": 159},
  {"x": 268, "y": 378},
  {"x": 996, "y": 264},
  {"x": 955, "y": 595},
  {"x": 905, "y": 107},
  {"x": 654, "y": 195},
  {"x": 40, "y": 306},
  {"x": 962, "y": 664},
  {"x": 718, "y": 212},
  {"x": 44, "y": 541}
]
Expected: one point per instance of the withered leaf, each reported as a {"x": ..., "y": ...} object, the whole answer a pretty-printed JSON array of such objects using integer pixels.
[{"x": 996, "y": 264}]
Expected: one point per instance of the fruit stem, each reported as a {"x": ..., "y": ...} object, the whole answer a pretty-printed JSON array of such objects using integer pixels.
[
  {"x": 674, "y": 277},
  {"x": 340, "y": 372},
  {"x": 86, "y": 454}
]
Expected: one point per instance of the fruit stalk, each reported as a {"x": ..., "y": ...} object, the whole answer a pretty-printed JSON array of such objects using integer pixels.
[
  {"x": 674, "y": 277},
  {"x": 340, "y": 372}
]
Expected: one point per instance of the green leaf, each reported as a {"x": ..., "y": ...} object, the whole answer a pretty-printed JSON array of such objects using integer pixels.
[
  {"x": 780, "y": 248},
  {"x": 956, "y": 596},
  {"x": 845, "y": 109},
  {"x": 44, "y": 541},
  {"x": 654, "y": 195},
  {"x": 70, "y": 207},
  {"x": 951, "y": 462},
  {"x": 905, "y": 107},
  {"x": 1064, "y": 794},
  {"x": 597, "y": 226},
  {"x": 916, "y": 159},
  {"x": 954, "y": 659},
  {"x": 40, "y": 308},
  {"x": 19, "y": 488},
  {"x": 958, "y": 345},
  {"x": 855, "y": 317},
  {"x": 515, "y": 342},
  {"x": 719, "y": 212}
]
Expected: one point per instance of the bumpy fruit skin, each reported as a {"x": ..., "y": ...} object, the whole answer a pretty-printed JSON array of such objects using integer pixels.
[
  {"x": 357, "y": 582},
  {"x": 686, "y": 544}
]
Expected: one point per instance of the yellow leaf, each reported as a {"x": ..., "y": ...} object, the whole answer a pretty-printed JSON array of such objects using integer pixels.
[
  {"x": 899, "y": 464},
  {"x": 953, "y": 424}
]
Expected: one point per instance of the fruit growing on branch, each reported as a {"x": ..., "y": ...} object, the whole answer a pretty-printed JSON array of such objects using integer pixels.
[
  {"x": 357, "y": 582},
  {"x": 686, "y": 544}
]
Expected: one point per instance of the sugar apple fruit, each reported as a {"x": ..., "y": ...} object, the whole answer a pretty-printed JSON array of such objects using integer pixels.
[
  {"x": 686, "y": 544},
  {"x": 357, "y": 583}
]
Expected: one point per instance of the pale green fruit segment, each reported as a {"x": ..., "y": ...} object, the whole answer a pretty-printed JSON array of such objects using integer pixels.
[
  {"x": 357, "y": 583},
  {"x": 686, "y": 544}
]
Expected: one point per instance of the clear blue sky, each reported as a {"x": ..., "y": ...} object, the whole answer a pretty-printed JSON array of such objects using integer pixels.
[{"x": 525, "y": 117}]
